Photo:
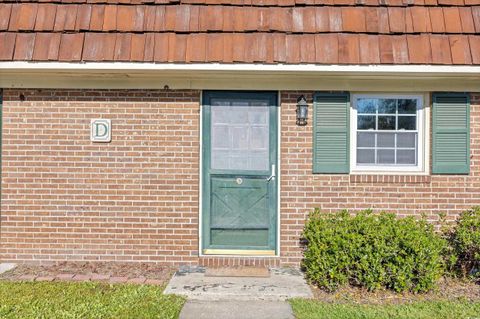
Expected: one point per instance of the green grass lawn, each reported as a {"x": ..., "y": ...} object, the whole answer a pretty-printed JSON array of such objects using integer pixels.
[
  {"x": 85, "y": 300},
  {"x": 458, "y": 309}
]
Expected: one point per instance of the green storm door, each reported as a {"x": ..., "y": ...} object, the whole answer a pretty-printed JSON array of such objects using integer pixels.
[{"x": 239, "y": 188}]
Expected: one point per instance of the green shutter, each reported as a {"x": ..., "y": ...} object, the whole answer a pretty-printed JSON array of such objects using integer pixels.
[
  {"x": 451, "y": 133},
  {"x": 331, "y": 133}
]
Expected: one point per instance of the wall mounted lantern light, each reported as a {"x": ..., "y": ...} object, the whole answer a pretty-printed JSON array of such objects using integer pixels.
[{"x": 302, "y": 111}]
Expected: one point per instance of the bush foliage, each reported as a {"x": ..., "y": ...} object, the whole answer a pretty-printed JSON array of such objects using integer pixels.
[
  {"x": 372, "y": 251},
  {"x": 465, "y": 243}
]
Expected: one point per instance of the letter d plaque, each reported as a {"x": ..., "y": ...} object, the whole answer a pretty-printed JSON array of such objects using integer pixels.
[{"x": 100, "y": 130}]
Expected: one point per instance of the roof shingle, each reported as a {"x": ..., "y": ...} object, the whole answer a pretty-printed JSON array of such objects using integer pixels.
[{"x": 241, "y": 31}]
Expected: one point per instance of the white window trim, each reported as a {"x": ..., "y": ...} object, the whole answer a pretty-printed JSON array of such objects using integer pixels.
[{"x": 423, "y": 143}]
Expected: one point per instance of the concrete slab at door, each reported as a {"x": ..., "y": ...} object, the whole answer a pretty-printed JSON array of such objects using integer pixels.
[{"x": 282, "y": 284}]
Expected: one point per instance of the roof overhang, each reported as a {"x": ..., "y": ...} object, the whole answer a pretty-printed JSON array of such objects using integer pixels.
[{"x": 122, "y": 75}]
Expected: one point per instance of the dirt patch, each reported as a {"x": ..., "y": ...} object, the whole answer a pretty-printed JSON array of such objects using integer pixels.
[
  {"x": 446, "y": 289},
  {"x": 112, "y": 269}
]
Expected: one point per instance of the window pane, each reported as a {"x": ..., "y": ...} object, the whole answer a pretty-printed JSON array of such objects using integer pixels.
[
  {"x": 239, "y": 136},
  {"x": 238, "y": 160},
  {"x": 407, "y": 106},
  {"x": 366, "y": 122},
  {"x": 387, "y": 106},
  {"x": 258, "y": 117},
  {"x": 365, "y": 139},
  {"x": 386, "y": 156},
  {"x": 220, "y": 135},
  {"x": 366, "y": 156},
  {"x": 220, "y": 116},
  {"x": 406, "y": 157},
  {"x": 259, "y": 138},
  {"x": 256, "y": 160},
  {"x": 238, "y": 114},
  {"x": 386, "y": 140},
  {"x": 407, "y": 122},
  {"x": 386, "y": 122},
  {"x": 221, "y": 159},
  {"x": 366, "y": 106},
  {"x": 406, "y": 139}
]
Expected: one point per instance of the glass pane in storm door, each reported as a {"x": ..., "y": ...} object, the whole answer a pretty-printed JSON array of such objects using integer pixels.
[{"x": 240, "y": 135}]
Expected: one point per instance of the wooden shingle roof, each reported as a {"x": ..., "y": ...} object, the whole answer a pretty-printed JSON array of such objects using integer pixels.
[{"x": 240, "y": 31}]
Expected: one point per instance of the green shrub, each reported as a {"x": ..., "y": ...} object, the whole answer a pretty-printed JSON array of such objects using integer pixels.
[
  {"x": 372, "y": 251},
  {"x": 465, "y": 242}
]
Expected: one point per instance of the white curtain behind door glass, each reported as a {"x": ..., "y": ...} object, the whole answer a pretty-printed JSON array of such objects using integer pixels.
[{"x": 240, "y": 134}]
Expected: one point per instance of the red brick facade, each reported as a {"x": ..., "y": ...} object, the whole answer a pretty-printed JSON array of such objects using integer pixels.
[
  {"x": 136, "y": 198},
  {"x": 66, "y": 198}
]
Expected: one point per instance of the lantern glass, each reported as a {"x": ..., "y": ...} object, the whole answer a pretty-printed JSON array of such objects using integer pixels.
[{"x": 302, "y": 111}]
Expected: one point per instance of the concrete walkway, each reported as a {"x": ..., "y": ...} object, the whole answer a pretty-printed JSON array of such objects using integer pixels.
[
  {"x": 238, "y": 297},
  {"x": 196, "y": 309}
]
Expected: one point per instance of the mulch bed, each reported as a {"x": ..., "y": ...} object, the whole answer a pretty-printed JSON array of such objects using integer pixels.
[
  {"x": 447, "y": 289},
  {"x": 113, "y": 272}
]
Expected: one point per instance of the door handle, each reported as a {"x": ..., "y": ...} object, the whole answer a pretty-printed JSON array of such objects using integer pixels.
[{"x": 272, "y": 176}]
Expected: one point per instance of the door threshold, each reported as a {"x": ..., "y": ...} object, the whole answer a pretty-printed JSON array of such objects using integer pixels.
[{"x": 239, "y": 252}]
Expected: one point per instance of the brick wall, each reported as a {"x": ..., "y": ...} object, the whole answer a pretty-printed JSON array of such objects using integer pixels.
[
  {"x": 136, "y": 198},
  {"x": 66, "y": 198},
  {"x": 302, "y": 191}
]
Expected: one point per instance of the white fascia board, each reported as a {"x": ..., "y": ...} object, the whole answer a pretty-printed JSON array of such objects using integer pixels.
[
  {"x": 201, "y": 76},
  {"x": 250, "y": 68}
]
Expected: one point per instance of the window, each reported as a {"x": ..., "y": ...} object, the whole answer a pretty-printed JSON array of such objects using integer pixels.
[{"x": 387, "y": 133}]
